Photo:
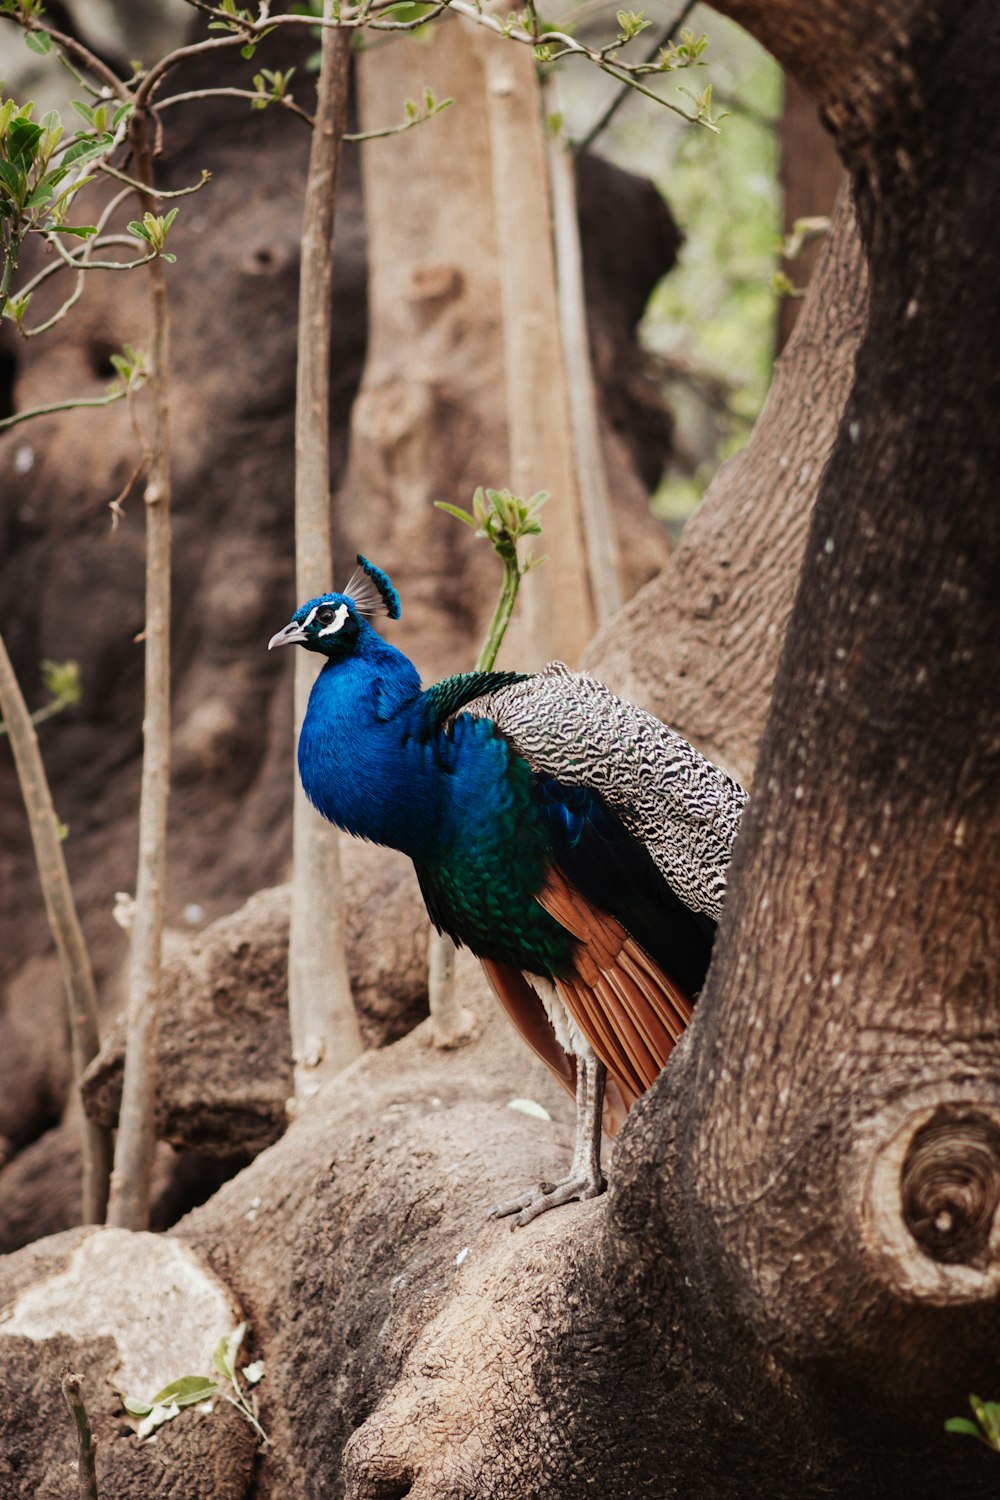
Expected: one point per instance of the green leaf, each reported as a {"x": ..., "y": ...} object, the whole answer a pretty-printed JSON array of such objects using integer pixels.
[
  {"x": 38, "y": 41},
  {"x": 189, "y": 1390},
  {"x": 139, "y": 230},
  {"x": 12, "y": 179},
  {"x": 22, "y": 139},
  {"x": 41, "y": 194},
  {"x": 61, "y": 679},
  {"x": 136, "y": 1407},
  {"x": 226, "y": 1350},
  {"x": 248, "y": 51},
  {"x": 962, "y": 1425},
  {"x": 87, "y": 150},
  {"x": 456, "y": 511},
  {"x": 407, "y": 10},
  {"x": 121, "y": 113}
]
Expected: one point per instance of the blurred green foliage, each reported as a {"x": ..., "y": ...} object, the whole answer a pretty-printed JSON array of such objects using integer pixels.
[
  {"x": 711, "y": 321},
  {"x": 714, "y": 316}
]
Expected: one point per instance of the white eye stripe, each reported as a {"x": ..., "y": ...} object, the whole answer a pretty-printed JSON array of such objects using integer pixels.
[
  {"x": 310, "y": 617},
  {"x": 336, "y": 622}
]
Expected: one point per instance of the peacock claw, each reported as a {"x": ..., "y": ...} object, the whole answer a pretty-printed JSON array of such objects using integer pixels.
[{"x": 538, "y": 1200}]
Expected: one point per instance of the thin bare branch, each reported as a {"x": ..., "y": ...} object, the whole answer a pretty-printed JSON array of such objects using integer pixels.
[
  {"x": 74, "y": 959},
  {"x": 407, "y": 25},
  {"x": 162, "y": 193},
  {"x": 231, "y": 93},
  {"x": 72, "y": 1389},
  {"x": 130, "y": 1188}
]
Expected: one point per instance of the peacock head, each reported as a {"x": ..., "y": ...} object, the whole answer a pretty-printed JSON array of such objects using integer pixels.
[{"x": 332, "y": 623}]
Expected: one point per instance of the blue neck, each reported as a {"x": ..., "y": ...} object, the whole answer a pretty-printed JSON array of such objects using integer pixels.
[{"x": 364, "y": 749}]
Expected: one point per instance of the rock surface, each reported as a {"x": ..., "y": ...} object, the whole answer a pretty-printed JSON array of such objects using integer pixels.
[{"x": 130, "y": 1313}]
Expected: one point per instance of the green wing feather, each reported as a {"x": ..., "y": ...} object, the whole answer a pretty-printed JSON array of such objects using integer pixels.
[{"x": 445, "y": 698}]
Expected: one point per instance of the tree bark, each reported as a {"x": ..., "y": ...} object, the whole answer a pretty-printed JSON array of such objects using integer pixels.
[{"x": 857, "y": 970}]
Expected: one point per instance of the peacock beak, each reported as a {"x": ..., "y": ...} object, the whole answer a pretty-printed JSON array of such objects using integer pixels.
[{"x": 292, "y": 635}]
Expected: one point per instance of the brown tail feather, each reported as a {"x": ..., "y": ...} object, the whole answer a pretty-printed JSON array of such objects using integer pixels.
[
  {"x": 528, "y": 1015},
  {"x": 630, "y": 1011}
]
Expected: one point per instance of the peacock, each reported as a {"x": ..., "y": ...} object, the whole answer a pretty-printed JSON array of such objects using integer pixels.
[{"x": 572, "y": 841}]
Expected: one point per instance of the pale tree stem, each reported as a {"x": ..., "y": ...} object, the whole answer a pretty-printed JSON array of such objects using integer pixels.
[
  {"x": 558, "y": 613},
  {"x": 324, "y": 1025},
  {"x": 74, "y": 960},
  {"x": 130, "y": 1185},
  {"x": 603, "y": 561}
]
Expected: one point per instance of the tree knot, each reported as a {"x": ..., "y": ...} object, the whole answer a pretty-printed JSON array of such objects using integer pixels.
[{"x": 950, "y": 1186}]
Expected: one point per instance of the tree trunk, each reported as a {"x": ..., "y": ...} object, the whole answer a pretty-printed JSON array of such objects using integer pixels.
[
  {"x": 128, "y": 1205},
  {"x": 842, "y": 1130}
]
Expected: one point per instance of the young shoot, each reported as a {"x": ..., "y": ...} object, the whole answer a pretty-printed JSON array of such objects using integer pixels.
[{"x": 503, "y": 519}]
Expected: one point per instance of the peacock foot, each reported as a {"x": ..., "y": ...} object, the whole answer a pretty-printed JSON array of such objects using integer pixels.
[{"x": 538, "y": 1200}]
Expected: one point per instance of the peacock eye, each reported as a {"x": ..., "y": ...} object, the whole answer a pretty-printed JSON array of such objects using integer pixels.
[{"x": 324, "y": 615}]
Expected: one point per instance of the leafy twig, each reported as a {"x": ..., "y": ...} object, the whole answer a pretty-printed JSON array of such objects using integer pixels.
[
  {"x": 503, "y": 520},
  {"x": 224, "y": 1360},
  {"x": 607, "y": 115},
  {"x": 129, "y": 1203},
  {"x": 986, "y": 1427},
  {"x": 61, "y": 679}
]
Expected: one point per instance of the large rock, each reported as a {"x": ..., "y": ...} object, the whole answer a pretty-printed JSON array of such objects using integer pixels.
[
  {"x": 130, "y": 1313},
  {"x": 224, "y": 1070}
]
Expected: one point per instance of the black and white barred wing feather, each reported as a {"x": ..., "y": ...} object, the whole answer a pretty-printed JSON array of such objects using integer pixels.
[{"x": 684, "y": 809}]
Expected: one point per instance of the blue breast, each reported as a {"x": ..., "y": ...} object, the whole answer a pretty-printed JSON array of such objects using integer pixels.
[{"x": 373, "y": 760}]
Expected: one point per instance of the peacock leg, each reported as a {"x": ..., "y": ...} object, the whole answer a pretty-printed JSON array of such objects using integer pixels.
[{"x": 585, "y": 1179}]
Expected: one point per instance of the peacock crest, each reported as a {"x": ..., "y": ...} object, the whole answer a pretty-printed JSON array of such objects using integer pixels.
[{"x": 371, "y": 591}]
